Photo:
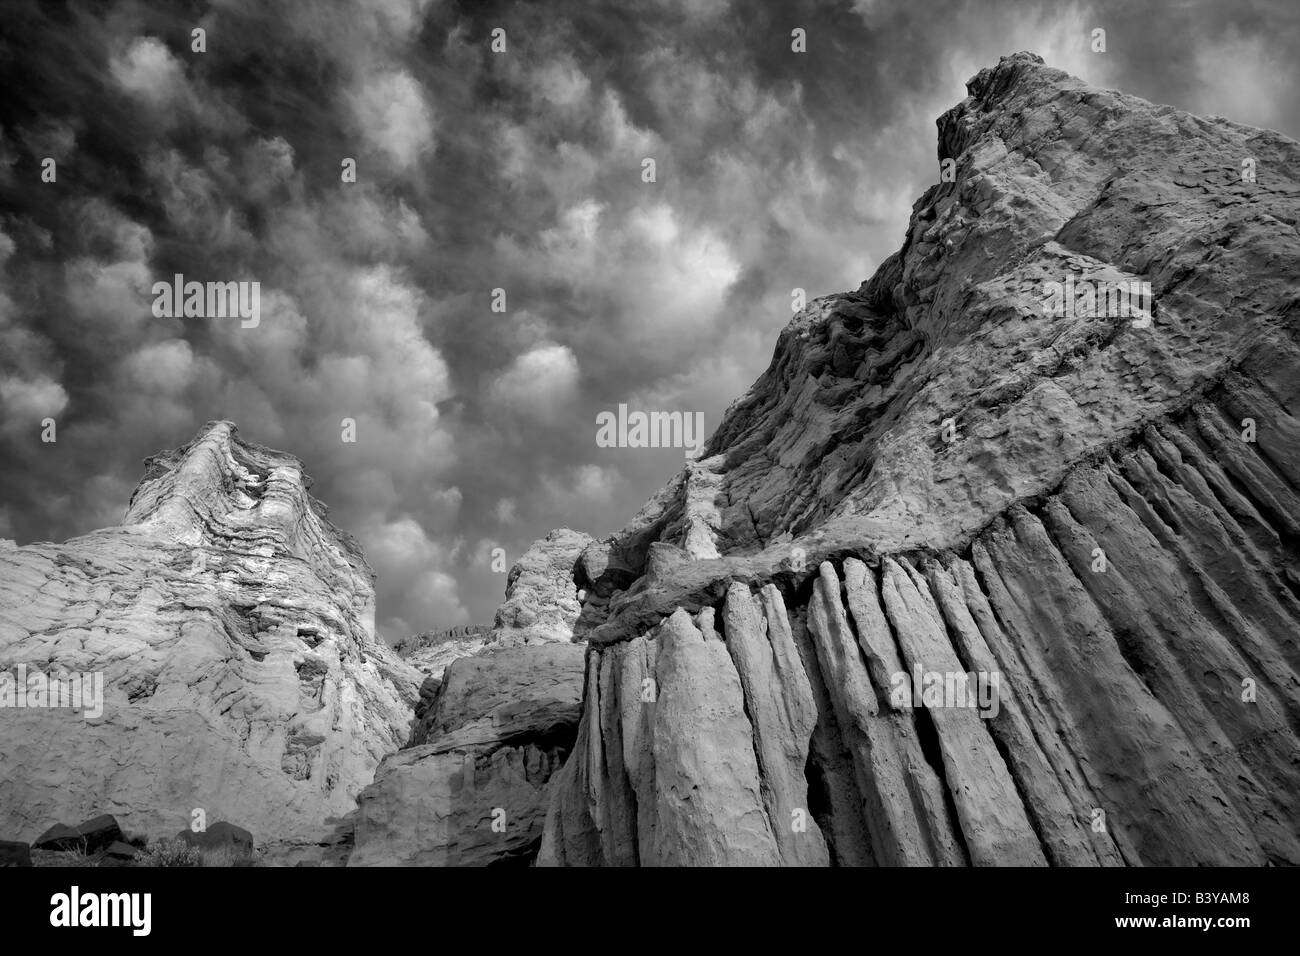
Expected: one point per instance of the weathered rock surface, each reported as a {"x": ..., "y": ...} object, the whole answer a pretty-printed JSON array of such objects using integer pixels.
[
  {"x": 541, "y": 597},
  {"x": 234, "y": 629},
  {"x": 431, "y": 652},
  {"x": 935, "y": 476},
  {"x": 472, "y": 787}
]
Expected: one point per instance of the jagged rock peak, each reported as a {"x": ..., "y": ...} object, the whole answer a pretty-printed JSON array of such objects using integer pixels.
[
  {"x": 1050, "y": 178},
  {"x": 233, "y": 627},
  {"x": 221, "y": 491}
]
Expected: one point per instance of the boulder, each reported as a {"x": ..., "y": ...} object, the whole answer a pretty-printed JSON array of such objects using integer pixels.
[
  {"x": 58, "y": 838},
  {"x": 91, "y": 836},
  {"x": 121, "y": 851},
  {"x": 13, "y": 853},
  {"x": 473, "y": 789},
  {"x": 219, "y": 835}
]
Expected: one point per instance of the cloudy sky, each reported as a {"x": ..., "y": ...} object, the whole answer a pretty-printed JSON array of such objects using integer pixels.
[{"x": 478, "y": 170}]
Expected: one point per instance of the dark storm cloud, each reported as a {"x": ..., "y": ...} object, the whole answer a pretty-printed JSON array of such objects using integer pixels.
[{"x": 478, "y": 171}]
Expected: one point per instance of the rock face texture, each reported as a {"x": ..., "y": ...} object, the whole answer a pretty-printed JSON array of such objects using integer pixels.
[
  {"x": 1092, "y": 515},
  {"x": 233, "y": 627},
  {"x": 473, "y": 785},
  {"x": 541, "y": 598},
  {"x": 431, "y": 652},
  {"x": 471, "y": 790}
]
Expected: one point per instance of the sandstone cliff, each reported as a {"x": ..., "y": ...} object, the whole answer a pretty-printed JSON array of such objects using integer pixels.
[
  {"x": 234, "y": 629},
  {"x": 936, "y": 475}
]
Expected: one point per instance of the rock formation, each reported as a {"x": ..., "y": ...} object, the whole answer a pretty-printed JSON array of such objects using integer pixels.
[
  {"x": 1095, "y": 512},
  {"x": 431, "y": 652},
  {"x": 964, "y": 579},
  {"x": 472, "y": 788},
  {"x": 233, "y": 627},
  {"x": 431, "y": 645}
]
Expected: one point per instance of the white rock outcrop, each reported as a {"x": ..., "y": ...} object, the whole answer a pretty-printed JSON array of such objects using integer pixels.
[{"x": 233, "y": 627}]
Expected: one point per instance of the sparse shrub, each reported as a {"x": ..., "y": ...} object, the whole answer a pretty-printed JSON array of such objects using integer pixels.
[
  {"x": 60, "y": 858},
  {"x": 169, "y": 853},
  {"x": 229, "y": 855}
]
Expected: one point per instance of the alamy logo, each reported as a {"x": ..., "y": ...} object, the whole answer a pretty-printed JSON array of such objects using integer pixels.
[
  {"x": 208, "y": 300},
  {"x": 651, "y": 430},
  {"x": 977, "y": 690},
  {"x": 84, "y": 692},
  {"x": 74, "y": 909},
  {"x": 1127, "y": 298}
]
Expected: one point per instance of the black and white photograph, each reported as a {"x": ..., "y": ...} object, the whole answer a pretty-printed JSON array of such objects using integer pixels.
[{"x": 688, "y": 434}]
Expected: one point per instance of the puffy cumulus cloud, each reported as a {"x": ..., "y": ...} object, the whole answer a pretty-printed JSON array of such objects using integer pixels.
[
  {"x": 51, "y": 138},
  {"x": 275, "y": 352},
  {"x": 540, "y": 384},
  {"x": 522, "y": 172},
  {"x": 350, "y": 37},
  {"x": 376, "y": 225},
  {"x": 419, "y": 569},
  {"x": 573, "y": 490},
  {"x": 198, "y": 209},
  {"x": 26, "y": 402},
  {"x": 101, "y": 225},
  {"x": 392, "y": 117},
  {"x": 1245, "y": 78},
  {"x": 432, "y": 596},
  {"x": 109, "y": 296},
  {"x": 562, "y": 84},
  {"x": 147, "y": 70},
  {"x": 106, "y": 283},
  {"x": 402, "y": 544},
  {"x": 400, "y": 368},
  {"x": 593, "y": 483},
  {"x": 641, "y": 279},
  {"x": 164, "y": 367},
  {"x": 157, "y": 90}
]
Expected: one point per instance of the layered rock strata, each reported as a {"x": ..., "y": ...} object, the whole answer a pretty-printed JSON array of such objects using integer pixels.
[{"x": 233, "y": 629}]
